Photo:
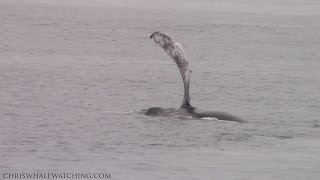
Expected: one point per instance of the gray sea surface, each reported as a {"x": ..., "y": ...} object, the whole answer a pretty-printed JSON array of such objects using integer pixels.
[{"x": 73, "y": 74}]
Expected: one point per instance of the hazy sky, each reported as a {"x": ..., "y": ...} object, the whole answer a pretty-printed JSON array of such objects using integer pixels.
[{"x": 303, "y": 7}]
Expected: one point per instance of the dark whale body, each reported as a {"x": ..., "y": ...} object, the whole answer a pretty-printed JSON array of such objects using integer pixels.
[
  {"x": 191, "y": 113},
  {"x": 175, "y": 51}
]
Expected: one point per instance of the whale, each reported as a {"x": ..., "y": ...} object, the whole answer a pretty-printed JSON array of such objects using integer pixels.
[{"x": 175, "y": 51}]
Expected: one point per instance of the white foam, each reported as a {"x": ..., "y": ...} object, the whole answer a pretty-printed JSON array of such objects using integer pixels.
[{"x": 209, "y": 118}]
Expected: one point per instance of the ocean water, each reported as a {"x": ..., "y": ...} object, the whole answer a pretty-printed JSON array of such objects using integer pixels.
[{"x": 74, "y": 73}]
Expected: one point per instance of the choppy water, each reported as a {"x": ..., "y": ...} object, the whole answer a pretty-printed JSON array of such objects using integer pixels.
[{"x": 73, "y": 73}]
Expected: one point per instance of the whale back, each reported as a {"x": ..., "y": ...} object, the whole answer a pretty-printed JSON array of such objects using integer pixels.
[{"x": 175, "y": 51}]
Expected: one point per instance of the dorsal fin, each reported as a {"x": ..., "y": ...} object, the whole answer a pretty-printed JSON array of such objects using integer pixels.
[{"x": 175, "y": 51}]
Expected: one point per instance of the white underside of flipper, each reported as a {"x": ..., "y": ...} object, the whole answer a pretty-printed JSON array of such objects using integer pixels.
[{"x": 175, "y": 51}]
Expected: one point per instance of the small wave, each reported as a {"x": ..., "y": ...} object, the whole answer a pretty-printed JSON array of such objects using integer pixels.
[
  {"x": 183, "y": 117},
  {"x": 209, "y": 118},
  {"x": 139, "y": 111},
  {"x": 119, "y": 112}
]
